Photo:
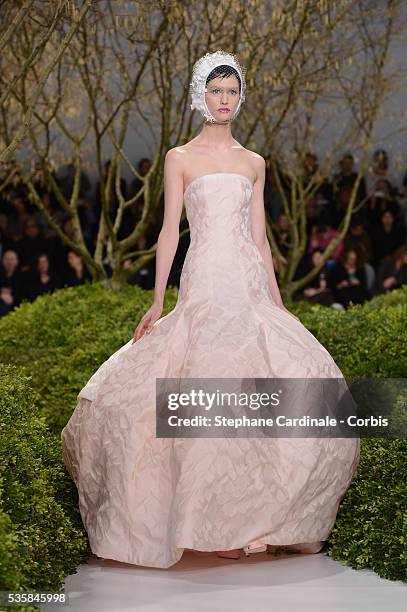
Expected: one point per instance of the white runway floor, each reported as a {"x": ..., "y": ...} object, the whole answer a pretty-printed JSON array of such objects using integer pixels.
[{"x": 286, "y": 583}]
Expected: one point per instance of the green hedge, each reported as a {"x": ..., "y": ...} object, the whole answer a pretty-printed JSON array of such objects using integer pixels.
[
  {"x": 367, "y": 340},
  {"x": 61, "y": 339},
  {"x": 41, "y": 534},
  {"x": 371, "y": 526}
]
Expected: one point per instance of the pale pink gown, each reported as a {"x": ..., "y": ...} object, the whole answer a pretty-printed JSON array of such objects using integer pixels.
[{"x": 143, "y": 500}]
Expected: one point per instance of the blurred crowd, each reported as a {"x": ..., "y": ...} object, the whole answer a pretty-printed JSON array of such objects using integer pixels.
[
  {"x": 34, "y": 259},
  {"x": 371, "y": 259}
]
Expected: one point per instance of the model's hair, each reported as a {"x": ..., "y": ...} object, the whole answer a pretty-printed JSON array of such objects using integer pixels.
[{"x": 223, "y": 71}]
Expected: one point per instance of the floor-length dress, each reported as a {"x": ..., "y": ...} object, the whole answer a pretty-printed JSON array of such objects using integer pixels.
[{"x": 143, "y": 499}]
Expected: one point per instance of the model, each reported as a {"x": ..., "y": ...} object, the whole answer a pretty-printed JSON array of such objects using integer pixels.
[{"x": 144, "y": 499}]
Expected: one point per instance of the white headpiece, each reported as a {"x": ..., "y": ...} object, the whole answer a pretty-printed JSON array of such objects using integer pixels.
[{"x": 200, "y": 72}]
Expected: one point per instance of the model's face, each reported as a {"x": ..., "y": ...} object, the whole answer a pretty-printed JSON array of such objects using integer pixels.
[{"x": 222, "y": 97}]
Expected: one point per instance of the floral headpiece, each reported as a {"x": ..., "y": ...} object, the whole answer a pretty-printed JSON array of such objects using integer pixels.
[{"x": 200, "y": 72}]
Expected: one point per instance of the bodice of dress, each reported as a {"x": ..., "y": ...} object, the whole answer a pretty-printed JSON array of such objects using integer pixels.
[{"x": 223, "y": 263}]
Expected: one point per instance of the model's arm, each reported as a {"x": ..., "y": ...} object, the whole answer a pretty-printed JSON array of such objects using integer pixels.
[
  {"x": 167, "y": 240},
  {"x": 169, "y": 235},
  {"x": 258, "y": 225}
]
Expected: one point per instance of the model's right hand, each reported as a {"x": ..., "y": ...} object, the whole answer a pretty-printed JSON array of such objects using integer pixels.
[{"x": 147, "y": 321}]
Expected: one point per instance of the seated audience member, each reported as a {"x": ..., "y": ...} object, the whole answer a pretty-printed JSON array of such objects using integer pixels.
[
  {"x": 31, "y": 244},
  {"x": 347, "y": 175},
  {"x": 317, "y": 290},
  {"x": 380, "y": 201},
  {"x": 392, "y": 273},
  {"x": 59, "y": 215},
  {"x": 387, "y": 237},
  {"x": 76, "y": 273},
  {"x": 342, "y": 184},
  {"x": 358, "y": 239},
  {"x": 11, "y": 282},
  {"x": 379, "y": 169},
  {"x": 41, "y": 279},
  {"x": 349, "y": 282},
  {"x": 340, "y": 204},
  {"x": 321, "y": 236},
  {"x": 15, "y": 218},
  {"x": 6, "y": 301}
]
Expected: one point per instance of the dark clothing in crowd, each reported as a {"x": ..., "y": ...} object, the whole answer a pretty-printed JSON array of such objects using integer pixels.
[
  {"x": 322, "y": 282},
  {"x": 385, "y": 243},
  {"x": 71, "y": 279},
  {"x": 37, "y": 286},
  {"x": 374, "y": 213},
  {"x": 361, "y": 244},
  {"x": 357, "y": 293},
  {"x": 388, "y": 269},
  {"x": 15, "y": 282},
  {"x": 28, "y": 248}
]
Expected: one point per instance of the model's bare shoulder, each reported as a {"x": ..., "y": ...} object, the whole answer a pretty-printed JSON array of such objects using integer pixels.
[
  {"x": 175, "y": 153},
  {"x": 256, "y": 157},
  {"x": 257, "y": 162},
  {"x": 180, "y": 159},
  {"x": 174, "y": 160}
]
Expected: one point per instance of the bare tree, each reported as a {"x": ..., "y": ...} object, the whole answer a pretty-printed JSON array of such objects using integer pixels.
[
  {"x": 126, "y": 74},
  {"x": 333, "y": 64},
  {"x": 47, "y": 17}
]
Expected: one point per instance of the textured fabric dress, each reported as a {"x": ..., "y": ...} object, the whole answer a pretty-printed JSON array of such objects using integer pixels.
[{"x": 143, "y": 499}]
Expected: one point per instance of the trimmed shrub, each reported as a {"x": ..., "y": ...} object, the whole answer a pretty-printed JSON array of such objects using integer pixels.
[
  {"x": 41, "y": 534},
  {"x": 367, "y": 340},
  {"x": 371, "y": 526},
  {"x": 62, "y": 338}
]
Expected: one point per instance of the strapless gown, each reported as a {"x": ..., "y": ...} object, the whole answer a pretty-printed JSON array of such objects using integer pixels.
[{"x": 143, "y": 499}]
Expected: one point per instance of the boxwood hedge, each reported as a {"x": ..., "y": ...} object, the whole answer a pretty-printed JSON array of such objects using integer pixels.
[{"x": 41, "y": 534}]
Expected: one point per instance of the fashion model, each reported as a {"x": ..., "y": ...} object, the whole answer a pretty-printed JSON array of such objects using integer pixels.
[{"x": 143, "y": 499}]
